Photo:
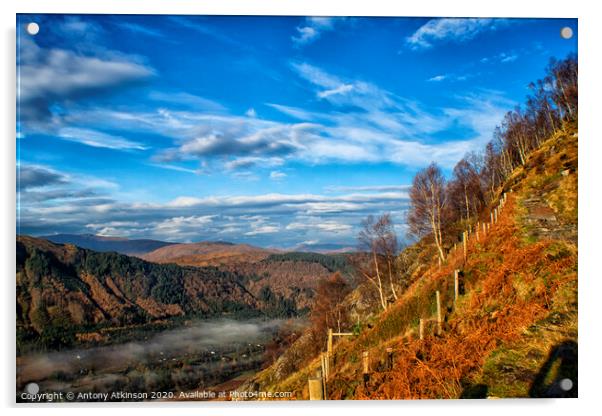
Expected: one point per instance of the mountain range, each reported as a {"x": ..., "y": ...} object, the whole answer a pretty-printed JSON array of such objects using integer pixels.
[{"x": 104, "y": 244}]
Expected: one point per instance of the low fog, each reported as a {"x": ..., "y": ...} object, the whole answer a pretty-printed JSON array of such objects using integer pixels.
[{"x": 208, "y": 337}]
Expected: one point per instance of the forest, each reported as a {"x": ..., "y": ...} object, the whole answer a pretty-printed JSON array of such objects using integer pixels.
[{"x": 440, "y": 209}]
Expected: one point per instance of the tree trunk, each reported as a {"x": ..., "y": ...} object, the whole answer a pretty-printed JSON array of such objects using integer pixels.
[
  {"x": 380, "y": 285},
  {"x": 391, "y": 279}
]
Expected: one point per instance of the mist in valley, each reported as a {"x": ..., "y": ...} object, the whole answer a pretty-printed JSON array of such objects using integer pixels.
[{"x": 201, "y": 354}]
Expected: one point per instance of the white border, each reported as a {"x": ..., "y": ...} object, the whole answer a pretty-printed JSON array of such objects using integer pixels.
[{"x": 590, "y": 158}]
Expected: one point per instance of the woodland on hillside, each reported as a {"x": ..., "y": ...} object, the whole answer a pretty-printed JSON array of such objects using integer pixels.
[
  {"x": 516, "y": 319},
  {"x": 441, "y": 209}
]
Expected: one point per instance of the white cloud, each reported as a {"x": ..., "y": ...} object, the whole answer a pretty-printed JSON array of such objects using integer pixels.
[
  {"x": 177, "y": 168},
  {"x": 188, "y": 100},
  {"x": 294, "y": 112},
  {"x": 184, "y": 201},
  {"x": 437, "y": 78},
  {"x": 306, "y": 35},
  {"x": 137, "y": 29},
  {"x": 342, "y": 89},
  {"x": 178, "y": 228},
  {"x": 376, "y": 126},
  {"x": 259, "y": 225},
  {"x": 251, "y": 113},
  {"x": 263, "y": 229},
  {"x": 313, "y": 29},
  {"x": 320, "y": 225},
  {"x": 369, "y": 188},
  {"x": 451, "y": 29},
  {"x": 98, "y": 139},
  {"x": 196, "y": 218},
  {"x": 511, "y": 58},
  {"x": 277, "y": 175},
  {"x": 502, "y": 57}
]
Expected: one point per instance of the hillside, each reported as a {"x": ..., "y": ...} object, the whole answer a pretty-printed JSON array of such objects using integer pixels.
[
  {"x": 104, "y": 244},
  {"x": 512, "y": 331},
  {"x": 206, "y": 254},
  {"x": 65, "y": 293},
  {"x": 293, "y": 275}
]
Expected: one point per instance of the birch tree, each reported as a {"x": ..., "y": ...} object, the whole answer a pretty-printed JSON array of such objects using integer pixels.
[
  {"x": 428, "y": 205},
  {"x": 379, "y": 241}
]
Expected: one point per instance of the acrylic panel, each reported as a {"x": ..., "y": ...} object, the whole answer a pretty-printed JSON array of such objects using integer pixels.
[{"x": 295, "y": 208}]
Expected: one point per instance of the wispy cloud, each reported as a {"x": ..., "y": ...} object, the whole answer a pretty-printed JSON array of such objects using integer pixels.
[
  {"x": 187, "y": 100},
  {"x": 438, "y": 78},
  {"x": 197, "y": 24},
  {"x": 98, "y": 139},
  {"x": 451, "y": 30},
  {"x": 140, "y": 29},
  {"x": 376, "y": 125},
  {"x": 177, "y": 168},
  {"x": 370, "y": 188},
  {"x": 451, "y": 77},
  {"x": 313, "y": 28},
  {"x": 502, "y": 57},
  {"x": 277, "y": 175}
]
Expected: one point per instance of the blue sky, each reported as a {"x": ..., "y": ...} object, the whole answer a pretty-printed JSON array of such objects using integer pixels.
[{"x": 273, "y": 131}]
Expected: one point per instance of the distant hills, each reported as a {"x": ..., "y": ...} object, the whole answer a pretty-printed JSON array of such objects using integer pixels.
[
  {"x": 207, "y": 253},
  {"x": 105, "y": 244},
  {"x": 324, "y": 248},
  {"x": 65, "y": 292},
  {"x": 192, "y": 254}
]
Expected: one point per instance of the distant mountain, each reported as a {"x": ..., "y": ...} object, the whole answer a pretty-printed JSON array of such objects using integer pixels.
[
  {"x": 104, "y": 244},
  {"x": 324, "y": 248},
  {"x": 207, "y": 254}
]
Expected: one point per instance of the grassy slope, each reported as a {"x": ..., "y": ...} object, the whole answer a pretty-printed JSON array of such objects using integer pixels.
[{"x": 513, "y": 332}]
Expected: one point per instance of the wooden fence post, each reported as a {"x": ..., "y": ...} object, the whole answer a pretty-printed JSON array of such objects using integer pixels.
[
  {"x": 366, "y": 366},
  {"x": 491, "y": 222},
  {"x": 329, "y": 343},
  {"x": 316, "y": 389},
  {"x": 421, "y": 329},
  {"x": 439, "y": 320},
  {"x": 477, "y": 231},
  {"x": 495, "y": 215},
  {"x": 390, "y": 358},
  {"x": 484, "y": 230},
  {"x": 464, "y": 242},
  {"x": 366, "y": 362},
  {"x": 456, "y": 287},
  {"x": 325, "y": 366}
]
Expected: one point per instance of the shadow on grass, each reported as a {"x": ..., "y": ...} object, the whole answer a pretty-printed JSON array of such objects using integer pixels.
[{"x": 557, "y": 377}]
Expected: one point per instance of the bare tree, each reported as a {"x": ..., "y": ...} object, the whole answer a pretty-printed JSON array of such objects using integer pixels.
[
  {"x": 428, "y": 205},
  {"x": 378, "y": 239},
  {"x": 465, "y": 191}
]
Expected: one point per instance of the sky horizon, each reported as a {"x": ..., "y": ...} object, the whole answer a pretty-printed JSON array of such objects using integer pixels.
[{"x": 271, "y": 131}]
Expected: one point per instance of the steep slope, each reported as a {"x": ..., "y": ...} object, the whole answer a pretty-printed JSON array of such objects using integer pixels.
[
  {"x": 103, "y": 244},
  {"x": 207, "y": 253},
  {"x": 292, "y": 275},
  {"x": 511, "y": 333}
]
